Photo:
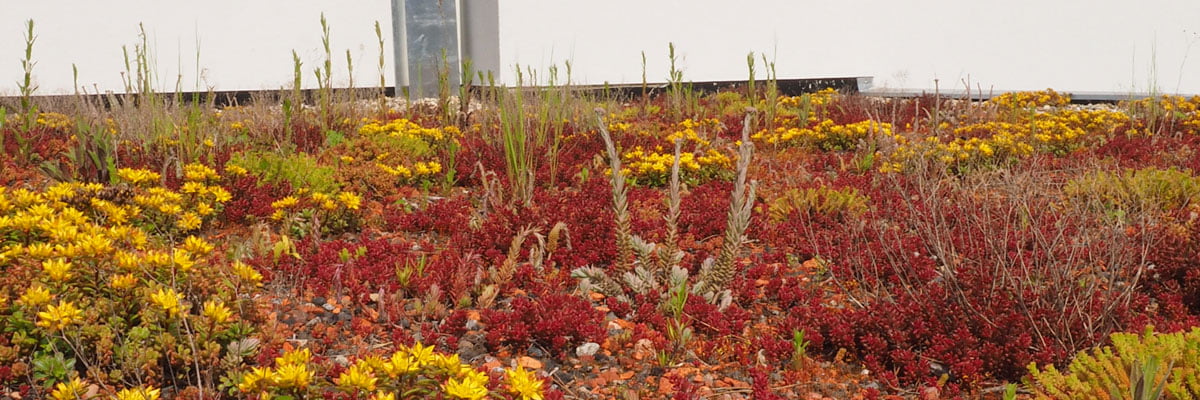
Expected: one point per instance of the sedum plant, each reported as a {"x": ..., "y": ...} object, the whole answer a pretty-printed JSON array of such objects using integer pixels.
[{"x": 1150, "y": 366}]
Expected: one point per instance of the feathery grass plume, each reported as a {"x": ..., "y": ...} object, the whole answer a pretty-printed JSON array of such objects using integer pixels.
[
  {"x": 625, "y": 250},
  {"x": 509, "y": 267},
  {"x": 558, "y": 232},
  {"x": 715, "y": 275}
]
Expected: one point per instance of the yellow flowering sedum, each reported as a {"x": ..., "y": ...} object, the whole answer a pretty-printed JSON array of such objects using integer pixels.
[
  {"x": 293, "y": 376},
  {"x": 217, "y": 312},
  {"x": 247, "y": 274},
  {"x": 300, "y": 356},
  {"x": 350, "y": 200},
  {"x": 169, "y": 300},
  {"x": 58, "y": 317},
  {"x": 284, "y": 203},
  {"x": 139, "y": 393},
  {"x": 383, "y": 396},
  {"x": 57, "y": 270},
  {"x": 403, "y": 128},
  {"x": 257, "y": 379},
  {"x": 197, "y": 246},
  {"x": 359, "y": 377},
  {"x": 464, "y": 389},
  {"x": 73, "y": 389},
  {"x": 138, "y": 177},
  {"x": 123, "y": 282},
  {"x": 523, "y": 384},
  {"x": 35, "y": 296}
]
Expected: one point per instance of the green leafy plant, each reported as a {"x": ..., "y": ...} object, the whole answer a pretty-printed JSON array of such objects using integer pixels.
[
  {"x": 844, "y": 202},
  {"x": 91, "y": 160},
  {"x": 1124, "y": 194},
  {"x": 799, "y": 348},
  {"x": 1149, "y": 366},
  {"x": 300, "y": 170}
]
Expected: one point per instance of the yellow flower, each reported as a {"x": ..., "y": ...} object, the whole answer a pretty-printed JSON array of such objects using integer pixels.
[
  {"x": 36, "y": 296},
  {"x": 258, "y": 378},
  {"x": 523, "y": 383},
  {"x": 247, "y": 273},
  {"x": 350, "y": 200},
  {"x": 293, "y": 376},
  {"x": 204, "y": 209},
  {"x": 70, "y": 390},
  {"x": 122, "y": 282},
  {"x": 199, "y": 172},
  {"x": 137, "y": 176},
  {"x": 139, "y": 393},
  {"x": 294, "y": 357},
  {"x": 217, "y": 311},
  {"x": 400, "y": 364},
  {"x": 220, "y": 194},
  {"x": 445, "y": 362},
  {"x": 157, "y": 258},
  {"x": 464, "y": 389},
  {"x": 472, "y": 375},
  {"x": 358, "y": 378},
  {"x": 57, "y": 269},
  {"x": 94, "y": 246},
  {"x": 57, "y": 317},
  {"x": 422, "y": 355},
  {"x": 169, "y": 300},
  {"x": 197, "y": 246},
  {"x": 383, "y": 396},
  {"x": 286, "y": 202},
  {"x": 278, "y": 215},
  {"x": 182, "y": 259},
  {"x": 189, "y": 221},
  {"x": 193, "y": 187},
  {"x": 235, "y": 170},
  {"x": 329, "y": 205},
  {"x": 40, "y": 250}
]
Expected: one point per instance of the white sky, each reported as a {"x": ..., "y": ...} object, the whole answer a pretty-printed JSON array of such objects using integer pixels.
[{"x": 1071, "y": 45}]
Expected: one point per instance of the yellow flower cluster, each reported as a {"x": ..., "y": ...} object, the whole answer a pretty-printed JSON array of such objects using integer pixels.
[
  {"x": 247, "y": 274},
  {"x": 196, "y": 201},
  {"x": 73, "y": 389},
  {"x": 292, "y": 205},
  {"x": 57, "y": 317},
  {"x": 419, "y": 170},
  {"x": 139, "y": 393},
  {"x": 407, "y": 129},
  {"x": 826, "y": 135},
  {"x": 685, "y": 131},
  {"x": 654, "y": 167},
  {"x": 1058, "y": 132},
  {"x": 138, "y": 177},
  {"x": 1166, "y": 114},
  {"x": 89, "y": 251},
  {"x": 291, "y": 372},
  {"x": 1039, "y": 98},
  {"x": 823, "y": 97},
  {"x": 383, "y": 377},
  {"x": 168, "y": 300},
  {"x": 54, "y": 121}
]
